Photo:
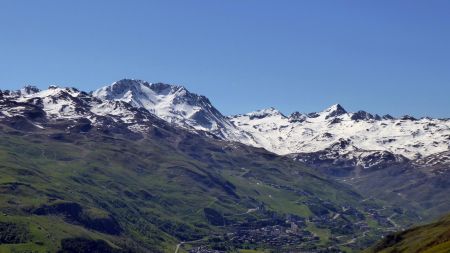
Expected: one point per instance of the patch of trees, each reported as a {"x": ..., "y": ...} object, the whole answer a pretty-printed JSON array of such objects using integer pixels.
[
  {"x": 84, "y": 245},
  {"x": 74, "y": 213},
  {"x": 13, "y": 233},
  {"x": 214, "y": 217}
]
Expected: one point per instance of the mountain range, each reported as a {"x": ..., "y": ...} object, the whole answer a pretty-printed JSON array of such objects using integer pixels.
[
  {"x": 334, "y": 128},
  {"x": 352, "y": 147},
  {"x": 153, "y": 167}
]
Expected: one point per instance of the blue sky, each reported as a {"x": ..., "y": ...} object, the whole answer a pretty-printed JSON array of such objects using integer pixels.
[{"x": 380, "y": 56}]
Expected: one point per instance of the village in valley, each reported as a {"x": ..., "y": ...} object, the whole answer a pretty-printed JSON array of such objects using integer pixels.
[{"x": 327, "y": 231}]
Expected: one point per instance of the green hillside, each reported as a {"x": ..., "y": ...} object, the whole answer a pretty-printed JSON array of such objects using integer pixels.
[
  {"x": 431, "y": 238},
  {"x": 69, "y": 191}
]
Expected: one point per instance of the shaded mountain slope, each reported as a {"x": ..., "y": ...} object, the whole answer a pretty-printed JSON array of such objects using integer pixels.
[
  {"x": 420, "y": 185},
  {"x": 431, "y": 238}
]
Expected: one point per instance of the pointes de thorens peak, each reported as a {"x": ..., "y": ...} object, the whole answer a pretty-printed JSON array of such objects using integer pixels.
[{"x": 138, "y": 103}]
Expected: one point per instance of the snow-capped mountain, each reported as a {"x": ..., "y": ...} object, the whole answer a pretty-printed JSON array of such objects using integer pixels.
[
  {"x": 442, "y": 158},
  {"x": 57, "y": 103},
  {"x": 394, "y": 159},
  {"x": 342, "y": 157},
  {"x": 174, "y": 104},
  {"x": 360, "y": 138},
  {"x": 312, "y": 132}
]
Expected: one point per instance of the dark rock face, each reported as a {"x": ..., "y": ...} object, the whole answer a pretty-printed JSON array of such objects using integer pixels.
[
  {"x": 81, "y": 126},
  {"x": 362, "y": 115},
  {"x": 388, "y": 117},
  {"x": 265, "y": 113},
  {"x": 336, "y": 121},
  {"x": 161, "y": 88},
  {"x": 339, "y": 110},
  {"x": 27, "y": 110},
  {"x": 341, "y": 144},
  {"x": 21, "y": 123},
  {"x": 342, "y": 159},
  {"x": 313, "y": 115},
  {"x": 297, "y": 117},
  {"x": 382, "y": 158},
  {"x": 327, "y": 135},
  {"x": 35, "y": 113},
  {"x": 407, "y": 117},
  {"x": 202, "y": 118},
  {"x": 29, "y": 89}
]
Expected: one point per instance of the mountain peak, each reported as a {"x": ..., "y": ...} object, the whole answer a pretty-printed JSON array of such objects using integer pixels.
[
  {"x": 336, "y": 107},
  {"x": 362, "y": 115},
  {"x": 271, "y": 110},
  {"x": 408, "y": 117},
  {"x": 334, "y": 110},
  {"x": 29, "y": 89},
  {"x": 129, "y": 82},
  {"x": 136, "y": 87},
  {"x": 173, "y": 103},
  {"x": 123, "y": 86},
  {"x": 263, "y": 113},
  {"x": 161, "y": 87},
  {"x": 297, "y": 117}
]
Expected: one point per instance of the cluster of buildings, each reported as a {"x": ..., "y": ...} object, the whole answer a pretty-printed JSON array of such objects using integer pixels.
[{"x": 346, "y": 225}]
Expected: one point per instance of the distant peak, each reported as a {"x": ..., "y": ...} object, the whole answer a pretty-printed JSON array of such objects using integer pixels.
[
  {"x": 263, "y": 113},
  {"x": 361, "y": 115},
  {"x": 29, "y": 89},
  {"x": 334, "y": 110},
  {"x": 137, "y": 84},
  {"x": 160, "y": 87},
  {"x": 297, "y": 117},
  {"x": 128, "y": 84},
  {"x": 408, "y": 117},
  {"x": 130, "y": 81},
  {"x": 335, "y": 107},
  {"x": 270, "y": 111}
]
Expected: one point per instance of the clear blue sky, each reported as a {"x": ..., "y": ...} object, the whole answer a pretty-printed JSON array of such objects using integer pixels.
[{"x": 382, "y": 56}]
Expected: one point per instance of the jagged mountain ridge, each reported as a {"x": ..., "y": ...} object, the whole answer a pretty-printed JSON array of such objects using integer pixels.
[
  {"x": 57, "y": 103},
  {"x": 306, "y": 133},
  {"x": 363, "y": 133}
]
